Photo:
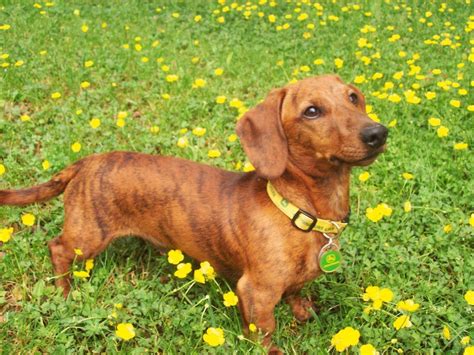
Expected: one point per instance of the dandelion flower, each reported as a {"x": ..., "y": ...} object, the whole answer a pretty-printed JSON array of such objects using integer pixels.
[
  {"x": 363, "y": 177},
  {"x": 199, "y": 131},
  {"x": 125, "y": 331},
  {"x": 230, "y": 299},
  {"x": 182, "y": 142},
  {"x": 85, "y": 85},
  {"x": 345, "y": 338},
  {"x": 199, "y": 276},
  {"x": 220, "y": 99},
  {"x": 407, "y": 176},
  {"x": 81, "y": 274},
  {"x": 214, "y": 336},
  {"x": 88, "y": 63},
  {"x": 219, "y": 71},
  {"x": 175, "y": 256},
  {"x": 446, "y": 333},
  {"x": 434, "y": 122},
  {"x": 368, "y": 349},
  {"x": 76, "y": 147},
  {"x": 214, "y": 153},
  {"x": 89, "y": 264},
  {"x": 2, "y": 169},
  {"x": 460, "y": 146},
  {"x": 78, "y": 252},
  {"x": 25, "y": 118},
  {"x": 5, "y": 234},
  {"x": 252, "y": 327},
  {"x": 207, "y": 270},
  {"x": 199, "y": 83},
  {"x": 28, "y": 219},
  {"x": 442, "y": 131},
  {"x": 469, "y": 297},
  {"x": 338, "y": 62},
  {"x": 172, "y": 78},
  {"x": 94, "y": 123},
  {"x": 56, "y": 95},
  {"x": 408, "y": 305},
  {"x": 402, "y": 322},
  {"x": 182, "y": 270}
]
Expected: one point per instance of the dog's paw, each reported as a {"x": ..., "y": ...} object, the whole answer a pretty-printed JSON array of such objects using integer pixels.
[{"x": 301, "y": 308}]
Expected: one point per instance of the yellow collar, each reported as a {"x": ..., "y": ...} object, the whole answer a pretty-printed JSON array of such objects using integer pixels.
[{"x": 302, "y": 219}]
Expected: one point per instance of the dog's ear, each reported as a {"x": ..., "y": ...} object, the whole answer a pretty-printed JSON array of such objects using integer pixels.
[{"x": 261, "y": 133}]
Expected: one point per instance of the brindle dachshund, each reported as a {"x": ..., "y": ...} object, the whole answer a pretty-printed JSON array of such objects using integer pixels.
[{"x": 304, "y": 138}]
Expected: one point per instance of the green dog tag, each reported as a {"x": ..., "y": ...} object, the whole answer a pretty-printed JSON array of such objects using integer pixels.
[{"x": 330, "y": 260}]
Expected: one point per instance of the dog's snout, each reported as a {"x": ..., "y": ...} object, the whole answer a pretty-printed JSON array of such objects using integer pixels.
[{"x": 374, "y": 136}]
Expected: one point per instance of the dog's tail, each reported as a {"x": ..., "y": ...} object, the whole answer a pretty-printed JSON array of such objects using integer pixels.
[{"x": 42, "y": 192}]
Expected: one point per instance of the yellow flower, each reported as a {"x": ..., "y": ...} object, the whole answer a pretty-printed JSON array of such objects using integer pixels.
[
  {"x": 199, "y": 83},
  {"x": 398, "y": 75},
  {"x": 55, "y": 95},
  {"x": 471, "y": 219},
  {"x": 199, "y": 277},
  {"x": 89, "y": 264},
  {"x": 402, "y": 322},
  {"x": 197, "y": 18},
  {"x": 232, "y": 138},
  {"x": 468, "y": 351},
  {"x": 154, "y": 129},
  {"x": 5, "y": 27},
  {"x": 455, "y": 103},
  {"x": 364, "y": 176},
  {"x": 120, "y": 122},
  {"x": 2, "y": 169},
  {"x": 442, "y": 131},
  {"x": 125, "y": 331},
  {"x": 230, "y": 299},
  {"x": 430, "y": 95},
  {"x": 207, "y": 270},
  {"x": 122, "y": 115},
  {"x": 88, "y": 63},
  {"x": 465, "y": 340},
  {"x": 392, "y": 123},
  {"x": 359, "y": 79},
  {"x": 118, "y": 305},
  {"x": 5, "y": 234},
  {"x": 434, "y": 122},
  {"x": 199, "y": 131},
  {"x": 76, "y": 147},
  {"x": 394, "y": 98},
  {"x": 345, "y": 338},
  {"x": 368, "y": 349},
  {"x": 214, "y": 153},
  {"x": 183, "y": 142},
  {"x": 408, "y": 305},
  {"x": 78, "y": 252},
  {"x": 25, "y": 118},
  {"x": 220, "y": 99},
  {"x": 175, "y": 256},
  {"x": 252, "y": 327},
  {"x": 271, "y": 18},
  {"x": 85, "y": 85},
  {"x": 219, "y": 71},
  {"x": 81, "y": 274},
  {"x": 214, "y": 336},
  {"x": 446, "y": 333},
  {"x": 447, "y": 228},
  {"x": 172, "y": 78},
  {"x": 94, "y": 123},
  {"x": 84, "y": 28},
  {"x": 460, "y": 146},
  {"x": 248, "y": 167},
  {"x": 469, "y": 297},
  {"x": 407, "y": 176},
  {"x": 407, "y": 206},
  {"x": 182, "y": 270},
  {"x": 338, "y": 62},
  {"x": 138, "y": 47},
  {"x": 28, "y": 219},
  {"x": 318, "y": 61},
  {"x": 236, "y": 103}
]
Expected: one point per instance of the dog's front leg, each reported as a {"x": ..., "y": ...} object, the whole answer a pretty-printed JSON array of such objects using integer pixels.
[{"x": 257, "y": 301}]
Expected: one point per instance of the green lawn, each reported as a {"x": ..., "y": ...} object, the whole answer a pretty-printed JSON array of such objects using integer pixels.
[{"x": 115, "y": 61}]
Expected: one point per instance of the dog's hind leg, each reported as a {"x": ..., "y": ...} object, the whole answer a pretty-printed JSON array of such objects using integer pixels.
[{"x": 62, "y": 259}]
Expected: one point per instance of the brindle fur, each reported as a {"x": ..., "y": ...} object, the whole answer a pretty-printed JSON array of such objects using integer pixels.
[{"x": 224, "y": 217}]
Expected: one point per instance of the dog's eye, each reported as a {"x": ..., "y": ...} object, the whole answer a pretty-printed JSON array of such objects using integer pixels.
[
  {"x": 354, "y": 98},
  {"x": 312, "y": 112}
]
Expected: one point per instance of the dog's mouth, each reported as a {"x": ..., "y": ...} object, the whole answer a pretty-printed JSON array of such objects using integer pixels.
[{"x": 367, "y": 160}]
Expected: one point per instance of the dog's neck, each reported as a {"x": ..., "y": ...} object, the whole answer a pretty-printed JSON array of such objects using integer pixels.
[{"x": 325, "y": 197}]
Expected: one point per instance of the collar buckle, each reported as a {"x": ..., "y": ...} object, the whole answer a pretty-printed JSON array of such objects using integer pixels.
[{"x": 306, "y": 223}]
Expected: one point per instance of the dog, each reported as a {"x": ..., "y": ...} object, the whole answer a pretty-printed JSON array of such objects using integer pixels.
[{"x": 303, "y": 140}]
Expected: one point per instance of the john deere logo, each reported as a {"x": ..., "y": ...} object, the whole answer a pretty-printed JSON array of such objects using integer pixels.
[{"x": 330, "y": 260}]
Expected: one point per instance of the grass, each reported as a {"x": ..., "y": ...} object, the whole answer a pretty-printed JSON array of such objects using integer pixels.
[{"x": 414, "y": 253}]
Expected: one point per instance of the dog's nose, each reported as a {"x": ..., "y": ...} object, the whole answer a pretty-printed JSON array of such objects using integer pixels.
[{"x": 374, "y": 136}]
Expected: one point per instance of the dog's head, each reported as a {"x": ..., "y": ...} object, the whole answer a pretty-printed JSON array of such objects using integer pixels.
[{"x": 317, "y": 124}]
